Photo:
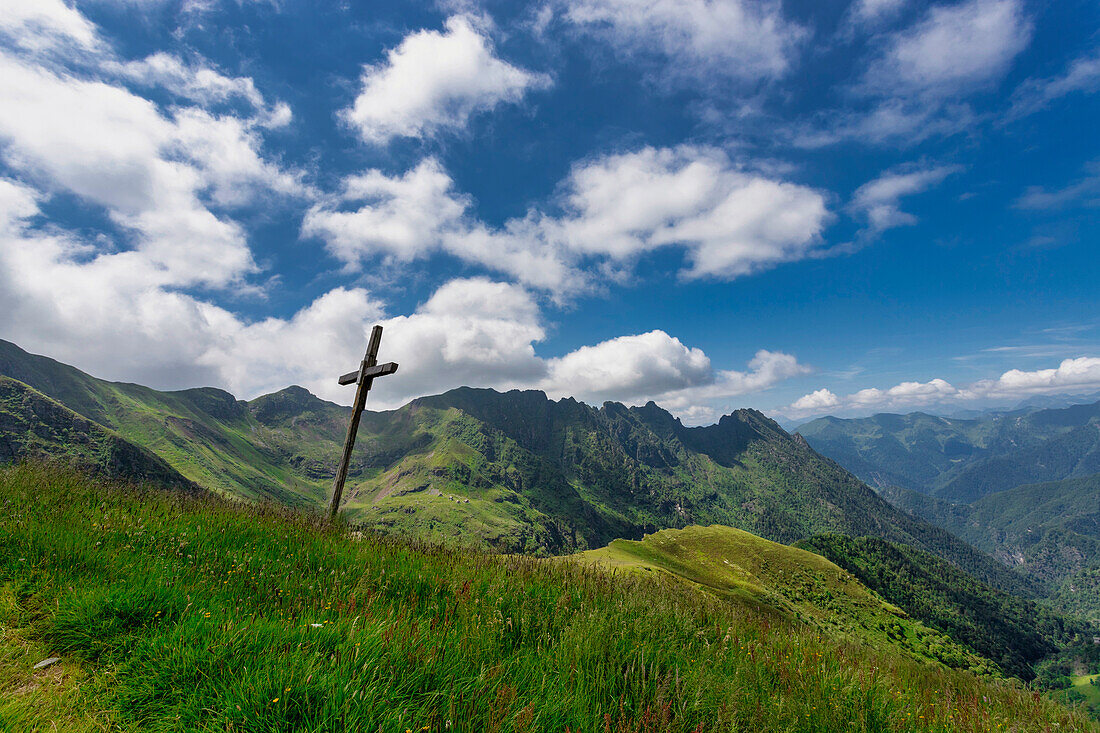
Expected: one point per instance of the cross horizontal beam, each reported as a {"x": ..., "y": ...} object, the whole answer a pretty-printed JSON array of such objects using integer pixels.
[{"x": 369, "y": 373}]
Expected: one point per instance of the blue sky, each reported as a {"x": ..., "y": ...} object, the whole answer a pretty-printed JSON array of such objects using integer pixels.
[{"x": 806, "y": 207}]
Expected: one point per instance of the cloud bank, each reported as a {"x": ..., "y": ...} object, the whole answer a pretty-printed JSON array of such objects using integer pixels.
[
  {"x": 613, "y": 210},
  {"x": 1072, "y": 376}
]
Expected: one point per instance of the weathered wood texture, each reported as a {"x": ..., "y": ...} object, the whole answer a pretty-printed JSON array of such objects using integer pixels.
[
  {"x": 376, "y": 371},
  {"x": 364, "y": 377}
]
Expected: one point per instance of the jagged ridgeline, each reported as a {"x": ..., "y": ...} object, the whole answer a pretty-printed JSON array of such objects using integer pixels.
[{"x": 513, "y": 471}]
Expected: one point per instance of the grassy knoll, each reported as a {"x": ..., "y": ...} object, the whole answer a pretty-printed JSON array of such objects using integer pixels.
[
  {"x": 178, "y": 612},
  {"x": 798, "y": 584}
]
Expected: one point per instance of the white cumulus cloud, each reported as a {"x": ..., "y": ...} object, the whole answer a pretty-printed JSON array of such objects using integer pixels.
[
  {"x": 614, "y": 209},
  {"x": 708, "y": 39},
  {"x": 1081, "y": 374},
  {"x": 195, "y": 82},
  {"x": 954, "y": 48},
  {"x": 732, "y": 222},
  {"x": 43, "y": 25},
  {"x": 400, "y": 216},
  {"x": 116, "y": 315},
  {"x": 766, "y": 369},
  {"x": 917, "y": 83},
  {"x": 816, "y": 401},
  {"x": 200, "y": 84},
  {"x": 410, "y": 216},
  {"x": 435, "y": 81},
  {"x": 116, "y": 150},
  {"x": 628, "y": 368},
  {"x": 134, "y": 301},
  {"x": 1077, "y": 375}
]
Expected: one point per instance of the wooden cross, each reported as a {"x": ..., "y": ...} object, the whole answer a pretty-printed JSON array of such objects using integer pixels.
[{"x": 364, "y": 377}]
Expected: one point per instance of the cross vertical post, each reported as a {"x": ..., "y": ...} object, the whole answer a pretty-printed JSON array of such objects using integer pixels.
[{"x": 364, "y": 378}]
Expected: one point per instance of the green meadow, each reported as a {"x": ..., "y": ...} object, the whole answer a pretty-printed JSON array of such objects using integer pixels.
[
  {"x": 173, "y": 611},
  {"x": 799, "y": 585}
]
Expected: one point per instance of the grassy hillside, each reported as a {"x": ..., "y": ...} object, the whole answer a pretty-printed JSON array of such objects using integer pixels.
[
  {"x": 1084, "y": 689},
  {"x": 205, "y": 434},
  {"x": 1048, "y": 530},
  {"x": 515, "y": 472},
  {"x": 963, "y": 460},
  {"x": 1014, "y": 633},
  {"x": 595, "y": 475},
  {"x": 32, "y": 426},
  {"x": 800, "y": 585},
  {"x": 178, "y": 613}
]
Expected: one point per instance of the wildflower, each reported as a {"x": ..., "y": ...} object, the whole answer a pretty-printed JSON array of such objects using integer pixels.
[{"x": 275, "y": 700}]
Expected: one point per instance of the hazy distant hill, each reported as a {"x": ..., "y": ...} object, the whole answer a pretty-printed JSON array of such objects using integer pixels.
[
  {"x": 1074, "y": 453},
  {"x": 963, "y": 460},
  {"x": 1049, "y": 530},
  {"x": 513, "y": 471}
]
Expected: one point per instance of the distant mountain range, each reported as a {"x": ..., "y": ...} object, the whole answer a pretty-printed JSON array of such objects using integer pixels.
[
  {"x": 1023, "y": 486},
  {"x": 1048, "y": 530},
  {"x": 1035, "y": 402},
  {"x": 963, "y": 460}
]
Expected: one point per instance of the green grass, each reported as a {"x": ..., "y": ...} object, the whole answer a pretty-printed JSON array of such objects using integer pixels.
[
  {"x": 184, "y": 613},
  {"x": 797, "y": 584},
  {"x": 1083, "y": 686},
  {"x": 1081, "y": 692}
]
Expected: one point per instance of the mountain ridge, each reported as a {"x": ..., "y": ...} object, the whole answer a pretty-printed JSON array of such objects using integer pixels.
[
  {"x": 962, "y": 459},
  {"x": 513, "y": 471},
  {"x": 33, "y": 426}
]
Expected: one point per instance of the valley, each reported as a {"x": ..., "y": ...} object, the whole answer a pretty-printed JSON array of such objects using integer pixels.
[{"x": 1022, "y": 486}]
